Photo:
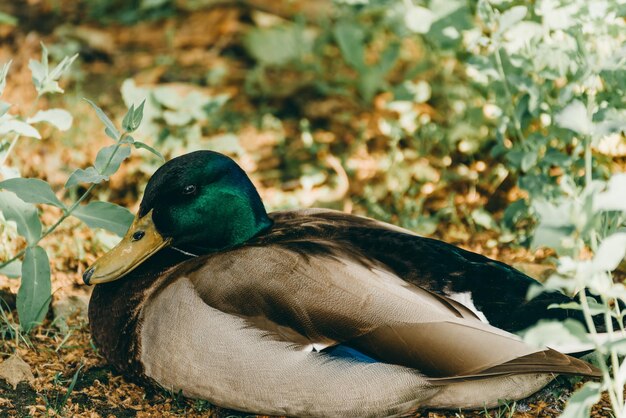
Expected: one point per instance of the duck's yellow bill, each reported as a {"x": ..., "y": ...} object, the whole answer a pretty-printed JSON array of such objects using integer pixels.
[{"x": 140, "y": 242}]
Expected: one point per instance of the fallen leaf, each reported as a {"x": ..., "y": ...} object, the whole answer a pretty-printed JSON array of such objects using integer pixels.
[{"x": 15, "y": 370}]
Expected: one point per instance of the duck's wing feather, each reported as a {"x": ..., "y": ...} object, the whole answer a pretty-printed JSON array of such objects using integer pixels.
[
  {"x": 496, "y": 291},
  {"x": 326, "y": 300},
  {"x": 449, "y": 352}
]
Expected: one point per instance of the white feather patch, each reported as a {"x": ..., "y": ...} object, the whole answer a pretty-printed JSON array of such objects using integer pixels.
[{"x": 465, "y": 299}]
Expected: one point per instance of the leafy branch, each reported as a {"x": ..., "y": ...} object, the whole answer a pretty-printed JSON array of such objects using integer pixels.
[
  {"x": 22, "y": 187},
  {"x": 21, "y": 194}
]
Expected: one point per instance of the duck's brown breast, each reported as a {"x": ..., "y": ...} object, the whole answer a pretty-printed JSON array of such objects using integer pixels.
[{"x": 115, "y": 307}]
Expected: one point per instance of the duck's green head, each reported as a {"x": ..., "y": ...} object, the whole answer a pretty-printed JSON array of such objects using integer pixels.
[{"x": 198, "y": 203}]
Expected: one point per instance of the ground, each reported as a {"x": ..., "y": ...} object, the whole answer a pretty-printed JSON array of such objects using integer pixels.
[{"x": 69, "y": 377}]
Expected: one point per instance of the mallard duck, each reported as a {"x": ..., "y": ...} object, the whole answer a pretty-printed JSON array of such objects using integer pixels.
[{"x": 308, "y": 312}]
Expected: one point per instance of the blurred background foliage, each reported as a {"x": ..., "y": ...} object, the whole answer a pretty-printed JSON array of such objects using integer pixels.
[{"x": 432, "y": 115}]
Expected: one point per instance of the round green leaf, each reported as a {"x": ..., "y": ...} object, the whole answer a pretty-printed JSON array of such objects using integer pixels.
[
  {"x": 105, "y": 215},
  {"x": 18, "y": 127},
  {"x": 611, "y": 252},
  {"x": 33, "y": 297},
  {"x": 23, "y": 214},
  {"x": 61, "y": 119},
  {"x": 574, "y": 117},
  {"x": 418, "y": 19},
  {"x": 32, "y": 191},
  {"x": 106, "y": 154},
  {"x": 88, "y": 175}
]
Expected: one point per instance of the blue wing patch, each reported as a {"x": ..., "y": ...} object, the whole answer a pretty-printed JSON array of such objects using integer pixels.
[{"x": 348, "y": 353}]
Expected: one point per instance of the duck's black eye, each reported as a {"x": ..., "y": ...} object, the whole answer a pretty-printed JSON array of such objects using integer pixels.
[
  {"x": 190, "y": 189},
  {"x": 138, "y": 235}
]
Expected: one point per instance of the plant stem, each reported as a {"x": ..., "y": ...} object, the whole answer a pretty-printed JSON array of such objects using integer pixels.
[
  {"x": 6, "y": 156},
  {"x": 606, "y": 376},
  {"x": 588, "y": 162},
  {"x": 34, "y": 105},
  {"x": 591, "y": 100},
  {"x": 614, "y": 359},
  {"x": 517, "y": 124},
  {"x": 615, "y": 387}
]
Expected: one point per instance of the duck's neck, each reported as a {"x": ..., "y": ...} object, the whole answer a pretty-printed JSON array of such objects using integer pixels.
[{"x": 230, "y": 224}]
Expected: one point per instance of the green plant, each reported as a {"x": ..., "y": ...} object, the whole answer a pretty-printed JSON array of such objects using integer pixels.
[
  {"x": 557, "y": 84},
  {"x": 505, "y": 410},
  {"x": 200, "y": 405},
  {"x": 587, "y": 219},
  {"x": 17, "y": 202},
  {"x": 57, "y": 404},
  {"x": 9, "y": 329}
]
